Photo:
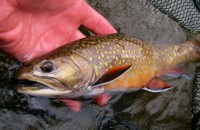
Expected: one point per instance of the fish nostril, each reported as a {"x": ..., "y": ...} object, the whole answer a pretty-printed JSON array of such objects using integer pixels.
[
  {"x": 27, "y": 68},
  {"x": 30, "y": 67}
]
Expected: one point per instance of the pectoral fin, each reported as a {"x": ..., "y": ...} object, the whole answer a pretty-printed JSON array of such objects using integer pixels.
[
  {"x": 112, "y": 75},
  {"x": 72, "y": 104},
  {"x": 157, "y": 85},
  {"x": 102, "y": 99}
]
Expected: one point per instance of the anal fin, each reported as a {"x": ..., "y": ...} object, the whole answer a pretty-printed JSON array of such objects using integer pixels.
[{"x": 157, "y": 85}]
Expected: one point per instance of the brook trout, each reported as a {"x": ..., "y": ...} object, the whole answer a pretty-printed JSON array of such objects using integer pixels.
[{"x": 95, "y": 65}]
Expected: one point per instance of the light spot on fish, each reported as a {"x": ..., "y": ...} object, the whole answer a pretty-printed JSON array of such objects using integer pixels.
[
  {"x": 102, "y": 55},
  {"x": 171, "y": 58},
  {"x": 99, "y": 58},
  {"x": 97, "y": 73},
  {"x": 116, "y": 58},
  {"x": 92, "y": 42},
  {"x": 107, "y": 57},
  {"x": 191, "y": 49},
  {"x": 103, "y": 46},
  {"x": 106, "y": 64}
]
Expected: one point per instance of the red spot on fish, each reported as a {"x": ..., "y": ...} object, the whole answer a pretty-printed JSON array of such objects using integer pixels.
[{"x": 72, "y": 104}]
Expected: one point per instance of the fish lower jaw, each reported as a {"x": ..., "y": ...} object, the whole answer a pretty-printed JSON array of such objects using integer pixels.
[{"x": 50, "y": 93}]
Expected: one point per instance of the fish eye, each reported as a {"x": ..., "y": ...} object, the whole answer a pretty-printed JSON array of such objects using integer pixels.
[{"x": 47, "y": 66}]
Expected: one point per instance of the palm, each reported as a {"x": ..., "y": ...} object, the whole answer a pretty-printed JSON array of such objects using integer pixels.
[{"x": 32, "y": 28}]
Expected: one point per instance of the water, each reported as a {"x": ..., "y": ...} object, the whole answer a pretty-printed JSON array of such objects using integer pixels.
[
  {"x": 196, "y": 100},
  {"x": 139, "y": 110}
]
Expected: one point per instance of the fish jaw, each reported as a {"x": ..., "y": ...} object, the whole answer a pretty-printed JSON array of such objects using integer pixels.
[
  {"x": 44, "y": 87},
  {"x": 45, "y": 92},
  {"x": 47, "y": 87}
]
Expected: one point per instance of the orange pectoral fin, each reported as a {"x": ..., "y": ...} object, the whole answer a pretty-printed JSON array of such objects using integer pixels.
[
  {"x": 102, "y": 99},
  {"x": 111, "y": 75},
  {"x": 157, "y": 85},
  {"x": 72, "y": 104}
]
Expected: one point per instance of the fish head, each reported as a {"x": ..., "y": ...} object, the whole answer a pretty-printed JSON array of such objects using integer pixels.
[{"x": 60, "y": 76}]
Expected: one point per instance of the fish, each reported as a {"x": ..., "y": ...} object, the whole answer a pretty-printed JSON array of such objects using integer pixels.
[
  {"x": 196, "y": 100},
  {"x": 96, "y": 65}
]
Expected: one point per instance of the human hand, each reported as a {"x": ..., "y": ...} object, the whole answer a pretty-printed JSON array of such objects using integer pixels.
[{"x": 31, "y": 28}]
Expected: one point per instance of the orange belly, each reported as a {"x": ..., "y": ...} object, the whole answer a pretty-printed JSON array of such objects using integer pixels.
[{"x": 130, "y": 81}]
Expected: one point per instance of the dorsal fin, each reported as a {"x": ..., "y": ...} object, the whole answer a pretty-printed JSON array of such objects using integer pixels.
[{"x": 111, "y": 75}]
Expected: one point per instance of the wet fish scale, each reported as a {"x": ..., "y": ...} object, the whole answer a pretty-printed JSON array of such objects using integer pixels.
[{"x": 115, "y": 52}]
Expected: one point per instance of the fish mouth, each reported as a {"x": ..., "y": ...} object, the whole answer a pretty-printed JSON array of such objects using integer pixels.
[
  {"x": 43, "y": 87},
  {"x": 48, "y": 87}
]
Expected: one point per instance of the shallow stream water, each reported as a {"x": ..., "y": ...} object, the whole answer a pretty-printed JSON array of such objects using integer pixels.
[{"x": 139, "y": 110}]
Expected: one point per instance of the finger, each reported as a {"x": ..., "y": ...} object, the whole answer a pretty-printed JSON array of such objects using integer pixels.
[
  {"x": 96, "y": 22},
  {"x": 38, "y": 51},
  {"x": 76, "y": 36}
]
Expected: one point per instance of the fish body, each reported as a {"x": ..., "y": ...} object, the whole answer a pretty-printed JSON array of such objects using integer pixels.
[{"x": 99, "y": 64}]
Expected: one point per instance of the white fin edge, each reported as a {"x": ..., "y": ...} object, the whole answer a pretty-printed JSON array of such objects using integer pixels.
[
  {"x": 157, "y": 90},
  {"x": 93, "y": 91}
]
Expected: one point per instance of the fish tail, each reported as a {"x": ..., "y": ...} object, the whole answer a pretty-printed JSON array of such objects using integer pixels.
[{"x": 195, "y": 40}]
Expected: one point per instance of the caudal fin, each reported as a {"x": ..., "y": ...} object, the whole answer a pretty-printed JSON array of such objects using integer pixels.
[{"x": 195, "y": 40}]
